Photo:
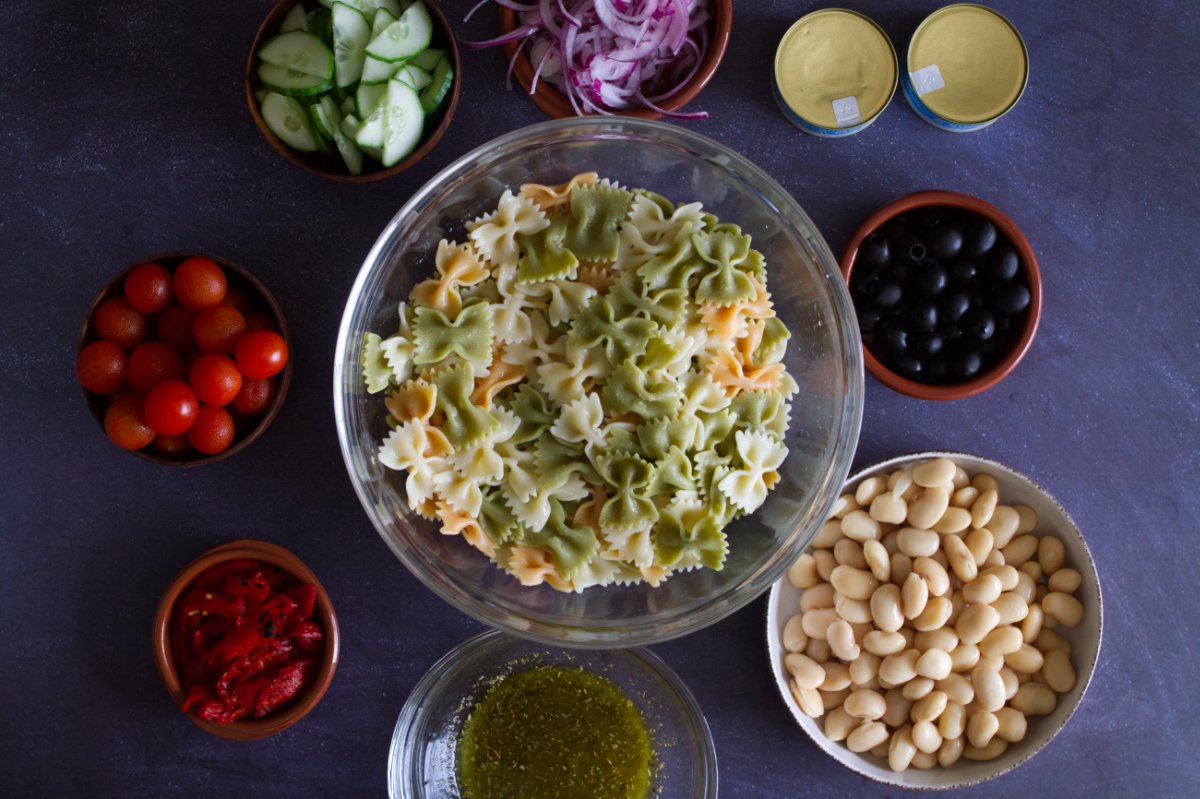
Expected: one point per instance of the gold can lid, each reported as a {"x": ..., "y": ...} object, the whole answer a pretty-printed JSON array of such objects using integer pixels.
[
  {"x": 829, "y": 56},
  {"x": 979, "y": 58}
]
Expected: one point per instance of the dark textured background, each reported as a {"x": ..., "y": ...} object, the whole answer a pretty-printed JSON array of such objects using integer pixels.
[{"x": 124, "y": 133}]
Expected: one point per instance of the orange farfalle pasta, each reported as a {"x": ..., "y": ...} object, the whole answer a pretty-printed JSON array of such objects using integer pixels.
[
  {"x": 456, "y": 522},
  {"x": 531, "y": 565},
  {"x": 413, "y": 400},
  {"x": 654, "y": 575},
  {"x": 736, "y": 371},
  {"x": 457, "y": 265},
  {"x": 597, "y": 275},
  {"x": 549, "y": 198},
  {"x": 588, "y": 513},
  {"x": 725, "y": 322},
  {"x": 500, "y": 376}
]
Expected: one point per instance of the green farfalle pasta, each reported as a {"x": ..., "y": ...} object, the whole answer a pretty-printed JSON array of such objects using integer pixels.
[
  {"x": 376, "y": 372},
  {"x": 571, "y": 546},
  {"x": 629, "y": 389},
  {"x": 591, "y": 405},
  {"x": 621, "y": 337},
  {"x": 466, "y": 423},
  {"x": 629, "y": 507},
  {"x": 597, "y": 212},
  {"x": 469, "y": 336},
  {"x": 544, "y": 256}
]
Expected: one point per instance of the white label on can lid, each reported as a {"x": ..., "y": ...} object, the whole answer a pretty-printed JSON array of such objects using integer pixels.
[
  {"x": 845, "y": 111},
  {"x": 926, "y": 79}
]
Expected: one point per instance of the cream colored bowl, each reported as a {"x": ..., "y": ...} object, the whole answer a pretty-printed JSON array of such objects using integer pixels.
[{"x": 1015, "y": 489}]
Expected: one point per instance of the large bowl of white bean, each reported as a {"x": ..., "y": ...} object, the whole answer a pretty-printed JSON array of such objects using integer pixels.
[{"x": 942, "y": 627}]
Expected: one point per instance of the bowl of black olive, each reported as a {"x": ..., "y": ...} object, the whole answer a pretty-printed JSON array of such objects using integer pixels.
[{"x": 947, "y": 292}]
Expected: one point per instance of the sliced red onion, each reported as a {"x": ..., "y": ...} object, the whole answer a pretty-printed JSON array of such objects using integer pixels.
[{"x": 512, "y": 36}]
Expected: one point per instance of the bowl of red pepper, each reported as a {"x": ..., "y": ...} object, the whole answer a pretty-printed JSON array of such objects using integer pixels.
[{"x": 246, "y": 640}]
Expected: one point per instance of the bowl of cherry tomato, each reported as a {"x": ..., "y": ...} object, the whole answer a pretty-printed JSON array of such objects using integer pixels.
[
  {"x": 246, "y": 640},
  {"x": 183, "y": 359}
]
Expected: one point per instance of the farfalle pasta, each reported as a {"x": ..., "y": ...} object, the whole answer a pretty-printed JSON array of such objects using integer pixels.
[{"x": 590, "y": 387}]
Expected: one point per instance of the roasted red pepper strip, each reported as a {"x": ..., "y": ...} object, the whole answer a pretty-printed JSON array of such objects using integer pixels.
[
  {"x": 305, "y": 596},
  {"x": 214, "y": 576},
  {"x": 254, "y": 588}
]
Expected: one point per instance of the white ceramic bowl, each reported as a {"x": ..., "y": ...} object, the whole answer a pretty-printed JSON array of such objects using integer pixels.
[{"x": 1015, "y": 489}]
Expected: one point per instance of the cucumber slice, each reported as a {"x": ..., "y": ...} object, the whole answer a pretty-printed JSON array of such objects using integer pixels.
[
  {"x": 348, "y": 106},
  {"x": 322, "y": 121},
  {"x": 376, "y": 71},
  {"x": 260, "y": 95},
  {"x": 350, "y": 36},
  {"x": 405, "y": 37},
  {"x": 373, "y": 152},
  {"x": 383, "y": 18},
  {"x": 288, "y": 120},
  {"x": 370, "y": 132},
  {"x": 350, "y": 154},
  {"x": 299, "y": 51},
  {"x": 368, "y": 8},
  {"x": 414, "y": 77},
  {"x": 350, "y": 126},
  {"x": 296, "y": 20},
  {"x": 427, "y": 59},
  {"x": 433, "y": 94},
  {"x": 320, "y": 24},
  {"x": 403, "y": 121},
  {"x": 291, "y": 82},
  {"x": 369, "y": 97}
]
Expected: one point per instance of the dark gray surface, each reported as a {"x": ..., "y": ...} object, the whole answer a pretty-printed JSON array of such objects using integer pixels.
[{"x": 124, "y": 133}]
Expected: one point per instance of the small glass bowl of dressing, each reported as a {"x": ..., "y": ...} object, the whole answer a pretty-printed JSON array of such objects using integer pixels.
[{"x": 424, "y": 759}]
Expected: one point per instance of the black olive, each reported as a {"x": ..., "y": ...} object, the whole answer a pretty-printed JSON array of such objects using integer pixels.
[
  {"x": 944, "y": 241},
  {"x": 862, "y": 283},
  {"x": 896, "y": 227},
  {"x": 979, "y": 236},
  {"x": 887, "y": 293},
  {"x": 962, "y": 271},
  {"x": 907, "y": 247},
  {"x": 979, "y": 324},
  {"x": 1002, "y": 264},
  {"x": 924, "y": 317},
  {"x": 894, "y": 338},
  {"x": 929, "y": 218},
  {"x": 932, "y": 278},
  {"x": 868, "y": 319},
  {"x": 874, "y": 250},
  {"x": 929, "y": 345},
  {"x": 954, "y": 304},
  {"x": 1009, "y": 299},
  {"x": 909, "y": 366},
  {"x": 935, "y": 370},
  {"x": 965, "y": 363}
]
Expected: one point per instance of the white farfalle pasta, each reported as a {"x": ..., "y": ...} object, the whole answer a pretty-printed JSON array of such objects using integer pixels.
[{"x": 577, "y": 390}]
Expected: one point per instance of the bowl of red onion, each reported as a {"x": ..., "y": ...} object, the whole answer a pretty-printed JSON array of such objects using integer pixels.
[{"x": 634, "y": 58}]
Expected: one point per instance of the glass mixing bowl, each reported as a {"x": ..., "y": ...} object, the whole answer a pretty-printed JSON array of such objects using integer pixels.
[
  {"x": 824, "y": 356},
  {"x": 421, "y": 763}
]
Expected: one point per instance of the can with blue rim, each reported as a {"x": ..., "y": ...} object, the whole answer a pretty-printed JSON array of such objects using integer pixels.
[
  {"x": 835, "y": 72},
  {"x": 966, "y": 67}
]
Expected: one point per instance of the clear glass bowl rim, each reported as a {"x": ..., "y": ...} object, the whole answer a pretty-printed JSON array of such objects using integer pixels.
[
  {"x": 650, "y": 630},
  {"x": 406, "y": 749}
]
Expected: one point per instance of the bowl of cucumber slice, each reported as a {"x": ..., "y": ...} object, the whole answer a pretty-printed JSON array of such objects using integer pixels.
[{"x": 353, "y": 90}]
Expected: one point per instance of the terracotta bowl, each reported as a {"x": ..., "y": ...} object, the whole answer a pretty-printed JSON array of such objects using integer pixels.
[
  {"x": 1029, "y": 268},
  {"x": 248, "y": 729},
  {"x": 260, "y": 298},
  {"x": 557, "y": 106},
  {"x": 332, "y": 167},
  {"x": 1084, "y": 638}
]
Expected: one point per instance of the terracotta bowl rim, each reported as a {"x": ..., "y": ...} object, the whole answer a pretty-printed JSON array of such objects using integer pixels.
[
  {"x": 308, "y": 162},
  {"x": 164, "y": 660},
  {"x": 113, "y": 288},
  {"x": 556, "y": 106},
  {"x": 1029, "y": 265}
]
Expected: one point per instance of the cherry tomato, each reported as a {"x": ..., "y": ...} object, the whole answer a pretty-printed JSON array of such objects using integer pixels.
[
  {"x": 213, "y": 430},
  {"x": 199, "y": 283},
  {"x": 174, "y": 328},
  {"x": 171, "y": 407},
  {"x": 255, "y": 396},
  {"x": 100, "y": 367},
  {"x": 150, "y": 364},
  {"x": 148, "y": 288},
  {"x": 215, "y": 379},
  {"x": 125, "y": 423},
  {"x": 260, "y": 354},
  {"x": 236, "y": 299},
  {"x": 174, "y": 446},
  {"x": 119, "y": 322},
  {"x": 218, "y": 328},
  {"x": 257, "y": 320}
]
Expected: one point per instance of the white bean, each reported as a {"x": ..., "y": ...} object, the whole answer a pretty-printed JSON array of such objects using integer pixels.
[
  {"x": 825, "y": 563},
  {"x": 1012, "y": 725},
  {"x": 833, "y": 699},
  {"x": 806, "y": 672},
  {"x": 1019, "y": 549},
  {"x": 1003, "y": 523},
  {"x": 1026, "y": 519},
  {"x": 950, "y": 752},
  {"x": 1027, "y": 659},
  {"x": 901, "y": 567},
  {"x": 974, "y": 623},
  {"x": 889, "y": 509},
  {"x": 952, "y": 719},
  {"x": 1033, "y": 569},
  {"x": 899, "y": 669},
  {"x": 928, "y": 507},
  {"x": 1031, "y": 625},
  {"x": 886, "y": 607},
  {"x": 1001, "y": 641},
  {"x": 934, "y": 664},
  {"x": 820, "y": 595},
  {"x": 864, "y": 703},
  {"x": 829, "y": 534},
  {"x": 980, "y": 543},
  {"x": 1066, "y": 581},
  {"x": 1007, "y": 575},
  {"x": 989, "y": 688},
  {"x": 803, "y": 573},
  {"x": 944, "y": 639},
  {"x": 961, "y": 559},
  {"x": 985, "y": 482},
  {"x": 867, "y": 736},
  {"x": 852, "y": 610},
  {"x": 1063, "y": 607},
  {"x": 859, "y": 526},
  {"x": 918, "y": 543},
  {"x": 898, "y": 708},
  {"x": 981, "y": 728},
  {"x": 818, "y": 649},
  {"x": 930, "y": 707},
  {"x": 869, "y": 489},
  {"x": 1034, "y": 699},
  {"x": 901, "y": 749},
  {"x": 809, "y": 700},
  {"x": 878, "y": 560},
  {"x": 926, "y": 736},
  {"x": 794, "y": 637},
  {"x": 1011, "y": 608},
  {"x": 933, "y": 573},
  {"x": 844, "y": 504},
  {"x": 964, "y": 497},
  {"x": 937, "y": 612},
  {"x": 961, "y": 478},
  {"x": 854, "y": 583},
  {"x": 837, "y": 677},
  {"x": 958, "y": 688},
  {"x": 849, "y": 553},
  {"x": 995, "y": 748},
  {"x": 984, "y": 589},
  {"x": 1026, "y": 587},
  {"x": 1011, "y": 682},
  {"x": 864, "y": 668},
  {"x": 1051, "y": 554},
  {"x": 914, "y": 596},
  {"x": 954, "y": 520},
  {"x": 839, "y": 724},
  {"x": 917, "y": 688},
  {"x": 985, "y": 505},
  {"x": 841, "y": 640},
  {"x": 936, "y": 472},
  {"x": 816, "y": 622},
  {"x": 964, "y": 658},
  {"x": 1058, "y": 671},
  {"x": 882, "y": 644}
]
